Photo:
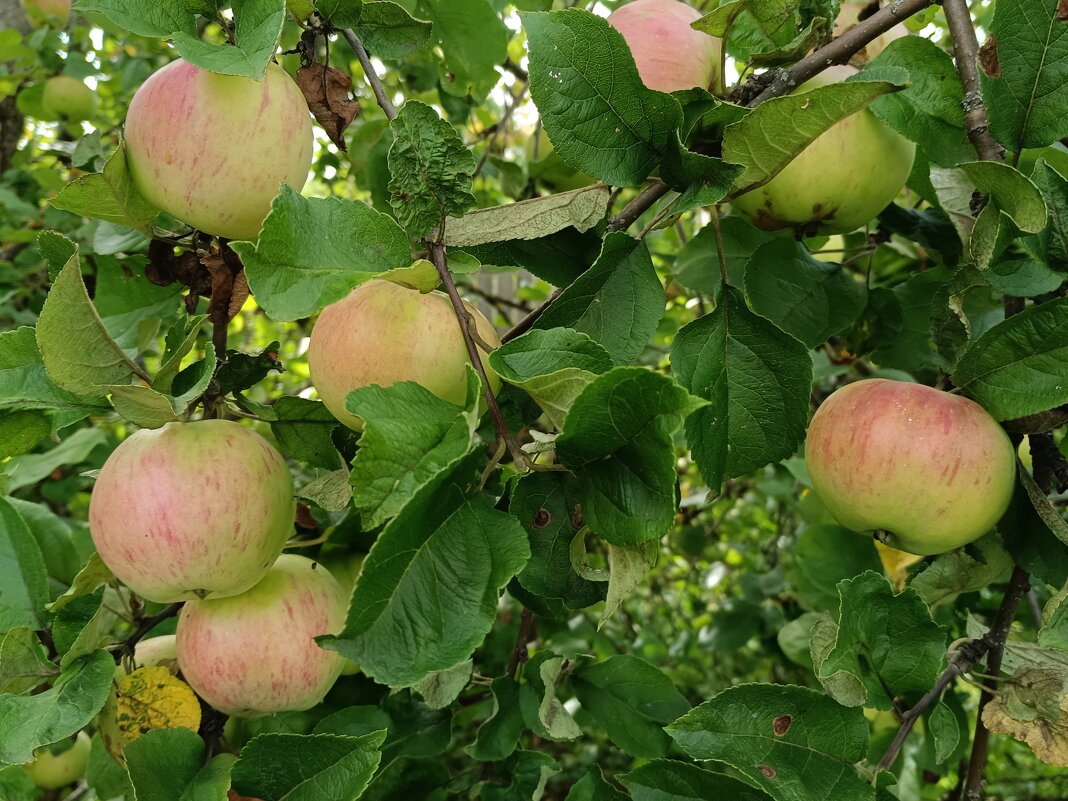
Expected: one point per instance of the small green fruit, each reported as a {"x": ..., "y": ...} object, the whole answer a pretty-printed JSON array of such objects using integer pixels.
[
  {"x": 60, "y": 764},
  {"x": 69, "y": 99}
]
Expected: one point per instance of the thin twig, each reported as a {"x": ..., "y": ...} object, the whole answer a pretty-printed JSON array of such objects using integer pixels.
[
  {"x": 720, "y": 251},
  {"x": 527, "y": 632},
  {"x": 144, "y": 627},
  {"x": 775, "y": 83},
  {"x": 965, "y": 47},
  {"x": 436, "y": 251},
  {"x": 1019, "y": 584},
  {"x": 637, "y": 207},
  {"x": 369, "y": 73},
  {"x": 528, "y": 322}
]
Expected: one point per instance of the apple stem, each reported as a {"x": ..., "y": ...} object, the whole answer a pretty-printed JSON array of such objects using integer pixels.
[
  {"x": 436, "y": 251},
  {"x": 369, "y": 73},
  {"x": 144, "y": 627}
]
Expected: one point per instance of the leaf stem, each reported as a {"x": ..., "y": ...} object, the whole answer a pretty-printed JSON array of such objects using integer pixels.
[
  {"x": 369, "y": 73},
  {"x": 720, "y": 252}
]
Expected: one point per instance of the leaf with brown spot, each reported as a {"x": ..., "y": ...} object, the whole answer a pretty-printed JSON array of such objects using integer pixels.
[
  {"x": 327, "y": 92},
  {"x": 988, "y": 58},
  {"x": 782, "y": 724},
  {"x": 1062, "y": 10},
  {"x": 1033, "y": 707}
]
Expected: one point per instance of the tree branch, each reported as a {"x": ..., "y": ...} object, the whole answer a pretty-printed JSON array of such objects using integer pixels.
[
  {"x": 527, "y": 322},
  {"x": 778, "y": 82},
  {"x": 436, "y": 251},
  {"x": 144, "y": 627},
  {"x": 1019, "y": 584},
  {"x": 637, "y": 207},
  {"x": 965, "y": 47},
  {"x": 369, "y": 73},
  {"x": 527, "y": 632}
]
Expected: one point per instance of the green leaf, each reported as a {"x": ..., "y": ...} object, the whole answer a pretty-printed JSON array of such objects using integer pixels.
[
  {"x": 617, "y": 439},
  {"x": 257, "y": 26},
  {"x": 499, "y": 735},
  {"x": 1010, "y": 194},
  {"x": 92, "y": 575},
  {"x": 771, "y": 136},
  {"x": 409, "y": 436},
  {"x": 930, "y": 111},
  {"x": 162, "y": 763},
  {"x": 23, "y": 579},
  {"x": 1054, "y": 188},
  {"x": 330, "y": 491},
  {"x": 1020, "y": 366},
  {"x": 958, "y": 571},
  {"x": 757, "y": 379},
  {"x": 474, "y": 41},
  {"x": 390, "y": 32},
  {"x": 303, "y": 432},
  {"x": 341, "y": 13},
  {"x": 22, "y": 471},
  {"x": 144, "y": 17},
  {"x": 28, "y": 722},
  {"x": 673, "y": 780},
  {"x": 903, "y": 322},
  {"x": 823, "y": 556},
  {"x": 552, "y": 366},
  {"x": 428, "y": 591},
  {"x": 593, "y": 787},
  {"x": 1035, "y": 533},
  {"x": 530, "y": 219},
  {"x": 529, "y": 772},
  {"x": 56, "y": 250},
  {"x": 430, "y": 170},
  {"x": 313, "y": 251},
  {"x": 109, "y": 195},
  {"x": 632, "y": 700},
  {"x": 21, "y": 431},
  {"x": 697, "y": 265},
  {"x": 889, "y": 642},
  {"x": 294, "y": 767},
  {"x": 15, "y": 784},
  {"x": 944, "y": 730},
  {"x": 548, "y": 506},
  {"x": 542, "y": 710},
  {"x": 598, "y": 114},
  {"x": 1026, "y": 98},
  {"x": 69, "y": 316},
  {"x": 627, "y": 569},
  {"x": 241, "y": 371},
  {"x": 24, "y": 383},
  {"x": 130, "y": 306},
  {"x": 618, "y": 302},
  {"x": 81, "y": 627},
  {"x": 792, "y": 742},
  {"x": 1023, "y": 278},
  {"x": 23, "y": 664},
  {"x": 442, "y": 687},
  {"x": 807, "y": 298},
  {"x": 413, "y": 729}
]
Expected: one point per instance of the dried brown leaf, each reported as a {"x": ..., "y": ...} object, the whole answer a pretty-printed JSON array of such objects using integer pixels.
[{"x": 327, "y": 92}]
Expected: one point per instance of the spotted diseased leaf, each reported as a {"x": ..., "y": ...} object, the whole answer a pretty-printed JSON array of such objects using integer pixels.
[
  {"x": 1032, "y": 707},
  {"x": 328, "y": 92},
  {"x": 430, "y": 169},
  {"x": 147, "y": 699}
]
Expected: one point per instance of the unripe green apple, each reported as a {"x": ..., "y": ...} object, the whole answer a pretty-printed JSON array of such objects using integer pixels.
[
  {"x": 382, "y": 333},
  {"x": 670, "y": 55},
  {"x": 840, "y": 181},
  {"x": 60, "y": 764},
  {"x": 192, "y": 510},
  {"x": 848, "y": 17},
  {"x": 68, "y": 99},
  {"x": 213, "y": 150},
  {"x": 932, "y": 469},
  {"x": 46, "y": 12},
  {"x": 255, "y": 654}
]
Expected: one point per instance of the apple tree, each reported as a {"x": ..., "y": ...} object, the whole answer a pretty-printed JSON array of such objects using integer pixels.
[{"x": 533, "y": 399}]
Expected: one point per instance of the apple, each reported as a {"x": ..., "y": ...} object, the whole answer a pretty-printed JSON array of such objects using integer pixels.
[
  {"x": 384, "y": 332},
  {"x": 68, "y": 99},
  {"x": 848, "y": 17},
  {"x": 931, "y": 469},
  {"x": 843, "y": 179},
  {"x": 192, "y": 510},
  {"x": 54, "y": 13},
  {"x": 255, "y": 654},
  {"x": 60, "y": 764},
  {"x": 213, "y": 150},
  {"x": 670, "y": 55}
]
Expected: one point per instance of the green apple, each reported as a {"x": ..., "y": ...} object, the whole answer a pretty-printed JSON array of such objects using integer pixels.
[
  {"x": 841, "y": 181},
  {"x": 255, "y": 654},
  {"x": 669, "y": 53},
  {"x": 53, "y": 13},
  {"x": 192, "y": 510},
  {"x": 212, "y": 150},
  {"x": 68, "y": 99},
  {"x": 932, "y": 470},
  {"x": 60, "y": 764},
  {"x": 384, "y": 332}
]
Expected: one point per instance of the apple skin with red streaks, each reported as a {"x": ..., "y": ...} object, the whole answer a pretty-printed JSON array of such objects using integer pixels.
[
  {"x": 670, "y": 55},
  {"x": 383, "y": 332},
  {"x": 255, "y": 654},
  {"x": 192, "y": 510},
  {"x": 932, "y": 469},
  {"x": 213, "y": 150}
]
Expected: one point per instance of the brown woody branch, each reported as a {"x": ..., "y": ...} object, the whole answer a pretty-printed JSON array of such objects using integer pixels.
[
  {"x": 527, "y": 632},
  {"x": 369, "y": 73},
  {"x": 965, "y": 48},
  {"x": 144, "y": 627}
]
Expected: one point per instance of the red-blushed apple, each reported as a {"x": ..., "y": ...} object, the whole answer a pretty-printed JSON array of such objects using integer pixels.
[
  {"x": 670, "y": 54},
  {"x": 932, "y": 470},
  {"x": 255, "y": 654},
  {"x": 192, "y": 510},
  {"x": 841, "y": 181},
  {"x": 60, "y": 764},
  {"x": 47, "y": 12},
  {"x": 68, "y": 99},
  {"x": 213, "y": 150},
  {"x": 848, "y": 17},
  {"x": 382, "y": 333}
]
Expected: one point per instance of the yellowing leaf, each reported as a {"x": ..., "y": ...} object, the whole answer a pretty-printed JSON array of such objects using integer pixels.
[
  {"x": 148, "y": 698},
  {"x": 896, "y": 563},
  {"x": 1033, "y": 708}
]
